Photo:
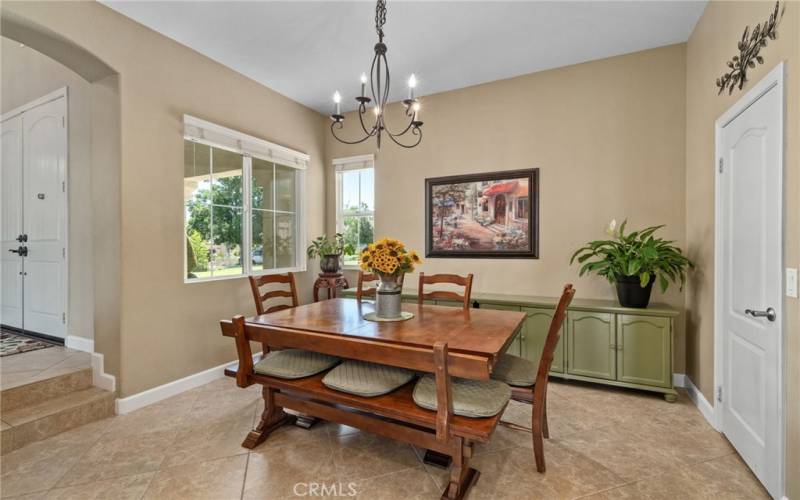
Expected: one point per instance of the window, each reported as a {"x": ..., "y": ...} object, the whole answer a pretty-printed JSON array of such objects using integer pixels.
[
  {"x": 355, "y": 202},
  {"x": 242, "y": 204}
]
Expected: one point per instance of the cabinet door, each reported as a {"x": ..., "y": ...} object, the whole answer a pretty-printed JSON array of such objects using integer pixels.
[
  {"x": 514, "y": 348},
  {"x": 591, "y": 345},
  {"x": 644, "y": 350},
  {"x": 534, "y": 334}
]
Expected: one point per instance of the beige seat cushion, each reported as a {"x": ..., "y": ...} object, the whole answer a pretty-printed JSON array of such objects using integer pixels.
[
  {"x": 471, "y": 398},
  {"x": 366, "y": 379},
  {"x": 294, "y": 363},
  {"x": 515, "y": 371}
]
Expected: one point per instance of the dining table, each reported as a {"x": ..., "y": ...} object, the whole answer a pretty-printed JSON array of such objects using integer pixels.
[{"x": 445, "y": 341}]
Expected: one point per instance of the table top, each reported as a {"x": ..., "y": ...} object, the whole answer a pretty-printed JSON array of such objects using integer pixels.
[{"x": 480, "y": 332}]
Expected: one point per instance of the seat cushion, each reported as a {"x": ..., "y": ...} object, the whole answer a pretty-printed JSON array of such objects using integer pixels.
[
  {"x": 366, "y": 379},
  {"x": 471, "y": 398},
  {"x": 515, "y": 371},
  {"x": 294, "y": 363}
]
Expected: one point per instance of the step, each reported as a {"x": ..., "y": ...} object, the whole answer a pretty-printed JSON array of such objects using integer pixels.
[
  {"x": 43, "y": 390},
  {"x": 30, "y": 423}
]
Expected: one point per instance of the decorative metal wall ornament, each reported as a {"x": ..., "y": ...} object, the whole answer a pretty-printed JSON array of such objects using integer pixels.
[
  {"x": 379, "y": 85},
  {"x": 749, "y": 51}
]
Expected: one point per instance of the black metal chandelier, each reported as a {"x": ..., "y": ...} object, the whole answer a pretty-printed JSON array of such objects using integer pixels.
[{"x": 379, "y": 85}]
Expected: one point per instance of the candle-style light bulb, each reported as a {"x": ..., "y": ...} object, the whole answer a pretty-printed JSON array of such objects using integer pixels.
[
  {"x": 363, "y": 83},
  {"x": 376, "y": 110},
  {"x": 416, "y": 108},
  {"x": 337, "y": 98},
  {"x": 412, "y": 83}
]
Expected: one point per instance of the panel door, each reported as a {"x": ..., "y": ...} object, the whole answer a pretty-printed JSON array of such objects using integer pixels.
[
  {"x": 591, "y": 344},
  {"x": 514, "y": 348},
  {"x": 751, "y": 282},
  {"x": 11, "y": 264},
  {"x": 537, "y": 324},
  {"x": 644, "y": 350},
  {"x": 44, "y": 217}
]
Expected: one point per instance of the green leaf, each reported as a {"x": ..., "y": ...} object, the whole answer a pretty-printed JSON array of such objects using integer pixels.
[{"x": 644, "y": 279}]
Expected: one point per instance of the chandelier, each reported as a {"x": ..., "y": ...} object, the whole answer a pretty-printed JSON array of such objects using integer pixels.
[{"x": 379, "y": 87}]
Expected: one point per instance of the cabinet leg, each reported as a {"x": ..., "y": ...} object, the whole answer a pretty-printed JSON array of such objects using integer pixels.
[{"x": 670, "y": 398}]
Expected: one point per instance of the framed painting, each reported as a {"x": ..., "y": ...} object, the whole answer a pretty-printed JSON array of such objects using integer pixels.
[{"x": 491, "y": 215}]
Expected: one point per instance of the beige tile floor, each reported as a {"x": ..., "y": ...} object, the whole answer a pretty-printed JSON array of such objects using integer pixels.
[
  {"x": 605, "y": 443},
  {"x": 33, "y": 366}
]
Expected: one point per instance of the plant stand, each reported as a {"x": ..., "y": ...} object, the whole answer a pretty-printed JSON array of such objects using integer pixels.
[{"x": 331, "y": 281}]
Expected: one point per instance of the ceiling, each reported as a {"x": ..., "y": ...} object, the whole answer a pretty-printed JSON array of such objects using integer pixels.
[{"x": 307, "y": 50}]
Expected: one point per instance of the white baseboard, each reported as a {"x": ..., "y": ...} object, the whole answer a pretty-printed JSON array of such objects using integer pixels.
[
  {"x": 679, "y": 379},
  {"x": 156, "y": 394},
  {"x": 100, "y": 378},
  {"x": 79, "y": 343},
  {"x": 702, "y": 404}
]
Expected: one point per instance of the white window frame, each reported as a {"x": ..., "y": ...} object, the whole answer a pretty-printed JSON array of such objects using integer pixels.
[
  {"x": 250, "y": 147},
  {"x": 340, "y": 165}
]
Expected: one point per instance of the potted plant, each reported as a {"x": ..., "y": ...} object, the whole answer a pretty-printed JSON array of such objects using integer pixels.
[
  {"x": 329, "y": 252},
  {"x": 389, "y": 259},
  {"x": 633, "y": 262}
]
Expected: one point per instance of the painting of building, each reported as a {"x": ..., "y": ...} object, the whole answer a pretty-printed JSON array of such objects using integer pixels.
[{"x": 485, "y": 215}]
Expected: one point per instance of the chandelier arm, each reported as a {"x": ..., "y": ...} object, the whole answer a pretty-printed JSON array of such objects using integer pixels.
[
  {"x": 333, "y": 131},
  {"x": 372, "y": 79},
  {"x": 415, "y": 131},
  {"x": 386, "y": 84},
  {"x": 410, "y": 124},
  {"x": 363, "y": 127}
]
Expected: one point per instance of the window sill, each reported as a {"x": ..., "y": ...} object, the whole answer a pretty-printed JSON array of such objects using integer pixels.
[{"x": 189, "y": 281}]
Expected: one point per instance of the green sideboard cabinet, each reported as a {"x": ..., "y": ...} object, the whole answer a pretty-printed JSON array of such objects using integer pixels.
[{"x": 601, "y": 341}]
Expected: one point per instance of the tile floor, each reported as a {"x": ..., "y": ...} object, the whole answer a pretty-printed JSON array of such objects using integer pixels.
[
  {"x": 605, "y": 443},
  {"x": 28, "y": 367}
]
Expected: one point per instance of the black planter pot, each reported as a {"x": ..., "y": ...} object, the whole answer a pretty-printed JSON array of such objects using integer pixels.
[
  {"x": 631, "y": 293},
  {"x": 329, "y": 264}
]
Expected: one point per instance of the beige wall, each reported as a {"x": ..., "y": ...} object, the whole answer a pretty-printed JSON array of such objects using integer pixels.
[
  {"x": 607, "y": 136},
  {"x": 169, "y": 329},
  {"x": 712, "y": 43},
  {"x": 25, "y": 76}
]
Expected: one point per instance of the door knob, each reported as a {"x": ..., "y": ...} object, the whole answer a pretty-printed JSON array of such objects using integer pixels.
[
  {"x": 770, "y": 313},
  {"x": 22, "y": 251},
  {"x": 22, "y": 238}
]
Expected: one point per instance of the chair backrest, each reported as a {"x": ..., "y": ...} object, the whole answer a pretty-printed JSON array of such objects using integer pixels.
[
  {"x": 453, "y": 279},
  {"x": 256, "y": 282},
  {"x": 550, "y": 343},
  {"x": 363, "y": 278}
]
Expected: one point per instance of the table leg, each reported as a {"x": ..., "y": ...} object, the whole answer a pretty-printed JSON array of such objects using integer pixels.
[
  {"x": 272, "y": 418},
  {"x": 316, "y": 293},
  {"x": 462, "y": 476}
]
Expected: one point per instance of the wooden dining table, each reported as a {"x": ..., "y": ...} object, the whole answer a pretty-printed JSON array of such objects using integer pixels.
[{"x": 446, "y": 341}]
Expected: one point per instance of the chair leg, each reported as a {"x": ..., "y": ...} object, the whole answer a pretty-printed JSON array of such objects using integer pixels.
[
  {"x": 538, "y": 443},
  {"x": 545, "y": 429}
]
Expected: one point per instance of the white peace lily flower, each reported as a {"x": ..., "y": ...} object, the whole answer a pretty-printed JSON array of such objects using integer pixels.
[{"x": 612, "y": 227}]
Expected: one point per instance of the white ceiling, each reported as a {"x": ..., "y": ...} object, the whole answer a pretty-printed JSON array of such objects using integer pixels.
[{"x": 307, "y": 50}]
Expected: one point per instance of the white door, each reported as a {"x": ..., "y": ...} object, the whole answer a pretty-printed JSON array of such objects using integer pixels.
[
  {"x": 44, "y": 169},
  {"x": 35, "y": 219},
  {"x": 750, "y": 246},
  {"x": 11, "y": 218}
]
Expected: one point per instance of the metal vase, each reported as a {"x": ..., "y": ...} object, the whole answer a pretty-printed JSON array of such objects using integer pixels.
[{"x": 387, "y": 298}]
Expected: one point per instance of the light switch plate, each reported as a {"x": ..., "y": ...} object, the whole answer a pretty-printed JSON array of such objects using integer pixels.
[{"x": 791, "y": 282}]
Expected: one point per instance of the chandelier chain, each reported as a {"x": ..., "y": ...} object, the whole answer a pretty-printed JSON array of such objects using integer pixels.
[{"x": 380, "y": 18}]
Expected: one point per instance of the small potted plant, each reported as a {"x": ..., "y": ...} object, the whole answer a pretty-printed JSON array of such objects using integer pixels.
[
  {"x": 633, "y": 262},
  {"x": 390, "y": 260},
  {"x": 329, "y": 252}
]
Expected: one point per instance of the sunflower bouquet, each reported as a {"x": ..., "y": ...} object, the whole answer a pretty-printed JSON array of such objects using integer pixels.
[{"x": 388, "y": 257}]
